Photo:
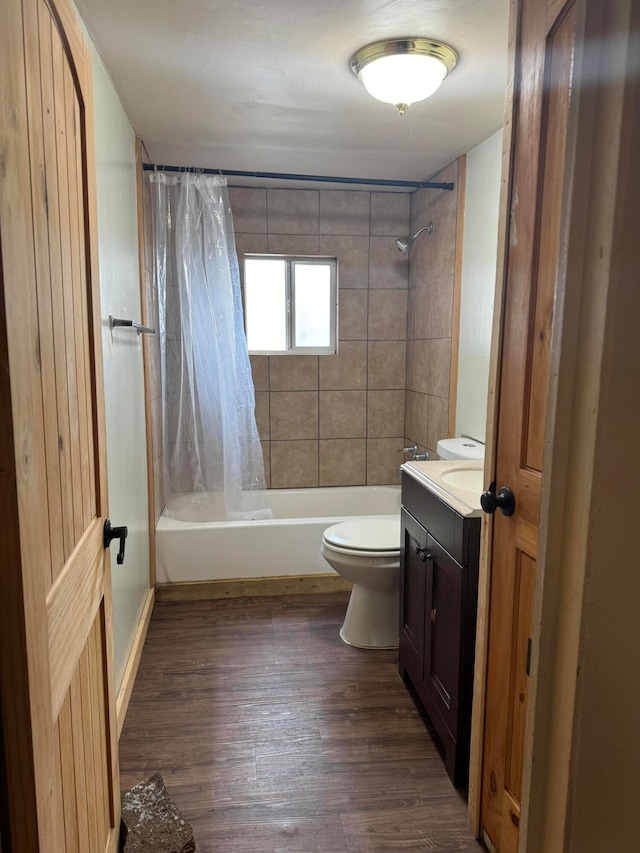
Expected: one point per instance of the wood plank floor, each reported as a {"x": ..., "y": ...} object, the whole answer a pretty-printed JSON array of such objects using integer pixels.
[{"x": 273, "y": 736}]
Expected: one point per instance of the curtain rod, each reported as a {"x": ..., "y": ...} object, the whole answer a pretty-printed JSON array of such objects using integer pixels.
[{"x": 285, "y": 176}]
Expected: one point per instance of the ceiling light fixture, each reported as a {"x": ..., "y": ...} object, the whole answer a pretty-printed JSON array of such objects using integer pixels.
[{"x": 403, "y": 71}]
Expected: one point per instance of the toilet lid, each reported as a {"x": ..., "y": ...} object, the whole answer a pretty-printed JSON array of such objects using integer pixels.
[{"x": 366, "y": 534}]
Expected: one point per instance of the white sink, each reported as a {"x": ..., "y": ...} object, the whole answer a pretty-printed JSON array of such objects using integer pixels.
[{"x": 468, "y": 479}]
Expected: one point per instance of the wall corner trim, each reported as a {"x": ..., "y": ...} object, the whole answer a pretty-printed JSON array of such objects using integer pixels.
[{"x": 129, "y": 677}]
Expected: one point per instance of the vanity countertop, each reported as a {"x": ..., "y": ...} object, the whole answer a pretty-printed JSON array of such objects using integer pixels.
[{"x": 430, "y": 475}]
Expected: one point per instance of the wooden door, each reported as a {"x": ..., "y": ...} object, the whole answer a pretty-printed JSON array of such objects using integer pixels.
[
  {"x": 56, "y": 667},
  {"x": 542, "y": 97}
]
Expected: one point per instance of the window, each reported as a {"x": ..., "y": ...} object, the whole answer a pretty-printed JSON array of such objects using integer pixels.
[{"x": 290, "y": 304}]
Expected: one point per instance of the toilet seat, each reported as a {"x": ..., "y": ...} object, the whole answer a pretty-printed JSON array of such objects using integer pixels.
[
  {"x": 354, "y": 552},
  {"x": 366, "y": 536}
]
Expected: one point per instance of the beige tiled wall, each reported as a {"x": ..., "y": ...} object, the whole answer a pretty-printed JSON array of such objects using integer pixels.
[
  {"x": 339, "y": 419},
  {"x": 430, "y": 313}
]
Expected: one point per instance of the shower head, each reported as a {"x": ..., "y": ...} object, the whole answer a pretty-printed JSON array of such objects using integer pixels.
[{"x": 405, "y": 244}]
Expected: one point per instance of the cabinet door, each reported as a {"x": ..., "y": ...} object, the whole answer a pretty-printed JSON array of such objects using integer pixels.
[
  {"x": 412, "y": 595},
  {"x": 442, "y": 642}
]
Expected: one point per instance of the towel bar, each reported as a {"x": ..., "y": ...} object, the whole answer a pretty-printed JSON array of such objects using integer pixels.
[{"x": 141, "y": 330}]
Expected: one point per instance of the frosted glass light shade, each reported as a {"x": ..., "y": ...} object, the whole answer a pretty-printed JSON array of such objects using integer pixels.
[
  {"x": 403, "y": 79},
  {"x": 403, "y": 71}
]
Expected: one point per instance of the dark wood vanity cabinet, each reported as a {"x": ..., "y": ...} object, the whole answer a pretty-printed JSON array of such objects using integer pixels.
[{"x": 438, "y": 601}]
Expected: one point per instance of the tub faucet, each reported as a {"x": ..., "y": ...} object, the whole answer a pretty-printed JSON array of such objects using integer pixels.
[
  {"x": 416, "y": 457},
  {"x": 413, "y": 449}
]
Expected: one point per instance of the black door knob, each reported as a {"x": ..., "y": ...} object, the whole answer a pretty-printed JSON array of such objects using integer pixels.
[
  {"x": 504, "y": 500},
  {"x": 111, "y": 533}
]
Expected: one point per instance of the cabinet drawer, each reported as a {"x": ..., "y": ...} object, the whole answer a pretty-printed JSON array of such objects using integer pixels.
[
  {"x": 415, "y": 530},
  {"x": 442, "y": 522}
]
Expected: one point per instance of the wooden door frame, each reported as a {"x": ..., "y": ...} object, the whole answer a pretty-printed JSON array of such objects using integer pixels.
[
  {"x": 600, "y": 158},
  {"x": 495, "y": 363},
  {"x": 135, "y": 653},
  {"x": 147, "y": 320},
  {"x": 598, "y": 268}
]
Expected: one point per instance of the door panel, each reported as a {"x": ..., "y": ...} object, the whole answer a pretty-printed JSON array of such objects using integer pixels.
[
  {"x": 83, "y": 747},
  {"x": 559, "y": 63},
  {"x": 58, "y": 201},
  {"x": 59, "y": 427},
  {"x": 42, "y": 270},
  {"x": 55, "y": 633},
  {"x": 544, "y": 62},
  {"x": 75, "y": 820},
  {"x": 519, "y": 683}
]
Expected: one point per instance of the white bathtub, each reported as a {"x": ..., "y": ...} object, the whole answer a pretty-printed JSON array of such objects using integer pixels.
[{"x": 287, "y": 544}]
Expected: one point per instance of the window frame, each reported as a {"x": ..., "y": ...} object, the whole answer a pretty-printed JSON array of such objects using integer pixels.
[{"x": 290, "y": 263}]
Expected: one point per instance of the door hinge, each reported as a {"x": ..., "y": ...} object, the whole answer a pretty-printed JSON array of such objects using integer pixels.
[{"x": 528, "y": 666}]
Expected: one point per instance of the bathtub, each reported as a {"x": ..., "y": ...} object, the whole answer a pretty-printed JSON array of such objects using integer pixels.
[{"x": 287, "y": 544}]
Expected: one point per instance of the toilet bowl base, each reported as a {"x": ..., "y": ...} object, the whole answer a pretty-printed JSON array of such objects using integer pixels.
[{"x": 372, "y": 618}]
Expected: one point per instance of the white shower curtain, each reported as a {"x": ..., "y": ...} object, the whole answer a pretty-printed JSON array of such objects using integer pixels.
[{"x": 213, "y": 465}]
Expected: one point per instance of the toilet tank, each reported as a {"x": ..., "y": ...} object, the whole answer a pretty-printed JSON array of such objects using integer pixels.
[{"x": 460, "y": 448}]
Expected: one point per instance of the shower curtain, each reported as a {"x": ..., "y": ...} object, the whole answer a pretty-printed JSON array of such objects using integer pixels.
[{"x": 213, "y": 466}]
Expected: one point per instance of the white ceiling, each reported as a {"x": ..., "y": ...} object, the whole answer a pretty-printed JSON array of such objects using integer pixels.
[{"x": 265, "y": 85}]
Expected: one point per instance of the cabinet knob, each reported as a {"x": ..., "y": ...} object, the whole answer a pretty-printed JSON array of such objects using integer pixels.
[{"x": 421, "y": 553}]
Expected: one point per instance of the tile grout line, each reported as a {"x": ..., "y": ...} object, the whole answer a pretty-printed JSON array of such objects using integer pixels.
[
  {"x": 366, "y": 373},
  {"x": 318, "y": 357}
]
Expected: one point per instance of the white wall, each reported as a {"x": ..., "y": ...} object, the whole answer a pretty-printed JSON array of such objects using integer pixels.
[
  {"x": 122, "y": 355},
  {"x": 479, "y": 255}
]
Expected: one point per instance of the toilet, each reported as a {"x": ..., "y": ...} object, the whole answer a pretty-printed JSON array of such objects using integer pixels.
[
  {"x": 460, "y": 448},
  {"x": 366, "y": 551}
]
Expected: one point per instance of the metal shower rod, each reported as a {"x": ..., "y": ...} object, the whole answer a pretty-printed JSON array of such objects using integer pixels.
[{"x": 327, "y": 179}]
